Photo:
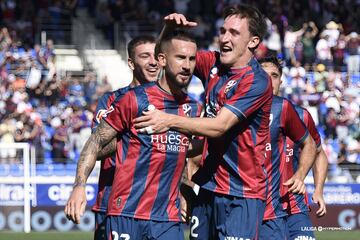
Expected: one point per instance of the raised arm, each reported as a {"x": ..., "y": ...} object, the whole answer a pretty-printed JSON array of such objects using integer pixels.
[{"x": 76, "y": 204}]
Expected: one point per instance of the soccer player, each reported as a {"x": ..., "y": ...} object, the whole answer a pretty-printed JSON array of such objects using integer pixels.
[
  {"x": 238, "y": 97},
  {"x": 141, "y": 52},
  {"x": 284, "y": 123},
  {"x": 144, "y": 202},
  {"x": 295, "y": 216}
]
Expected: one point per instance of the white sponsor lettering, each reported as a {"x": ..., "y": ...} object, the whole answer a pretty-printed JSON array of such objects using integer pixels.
[
  {"x": 62, "y": 192},
  {"x": 304, "y": 238},
  {"x": 236, "y": 238},
  {"x": 12, "y": 194},
  {"x": 170, "y": 141},
  {"x": 289, "y": 153}
]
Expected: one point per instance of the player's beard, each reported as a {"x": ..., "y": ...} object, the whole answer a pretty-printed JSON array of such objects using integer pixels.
[{"x": 171, "y": 77}]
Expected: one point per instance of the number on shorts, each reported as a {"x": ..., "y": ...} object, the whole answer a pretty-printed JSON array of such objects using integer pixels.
[
  {"x": 195, "y": 224},
  {"x": 123, "y": 236}
]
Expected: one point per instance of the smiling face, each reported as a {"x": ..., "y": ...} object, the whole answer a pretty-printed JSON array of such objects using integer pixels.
[
  {"x": 178, "y": 60},
  {"x": 144, "y": 65},
  {"x": 235, "y": 41}
]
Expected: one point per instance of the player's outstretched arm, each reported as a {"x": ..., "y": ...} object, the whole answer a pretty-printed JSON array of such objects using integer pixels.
[
  {"x": 158, "y": 121},
  {"x": 307, "y": 157},
  {"x": 320, "y": 171},
  {"x": 76, "y": 204}
]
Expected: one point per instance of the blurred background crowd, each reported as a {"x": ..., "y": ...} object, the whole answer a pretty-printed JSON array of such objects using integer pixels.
[{"x": 53, "y": 111}]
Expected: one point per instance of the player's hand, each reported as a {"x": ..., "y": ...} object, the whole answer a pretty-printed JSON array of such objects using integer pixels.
[
  {"x": 75, "y": 206},
  {"x": 319, "y": 200},
  {"x": 178, "y": 20},
  {"x": 296, "y": 184},
  {"x": 151, "y": 122},
  {"x": 183, "y": 209}
]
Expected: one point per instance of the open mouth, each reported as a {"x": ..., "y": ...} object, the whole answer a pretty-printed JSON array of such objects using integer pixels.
[{"x": 225, "y": 49}]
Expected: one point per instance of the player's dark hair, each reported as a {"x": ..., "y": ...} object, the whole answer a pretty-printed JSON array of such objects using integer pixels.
[
  {"x": 274, "y": 60},
  {"x": 256, "y": 20},
  {"x": 138, "y": 41},
  {"x": 176, "y": 34}
]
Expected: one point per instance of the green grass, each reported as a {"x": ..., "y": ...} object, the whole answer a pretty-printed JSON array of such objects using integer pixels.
[{"x": 326, "y": 235}]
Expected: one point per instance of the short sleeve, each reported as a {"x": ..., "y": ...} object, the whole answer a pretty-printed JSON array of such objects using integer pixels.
[
  {"x": 294, "y": 127},
  {"x": 102, "y": 107},
  {"x": 310, "y": 124},
  {"x": 251, "y": 93},
  {"x": 120, "y": 114}
]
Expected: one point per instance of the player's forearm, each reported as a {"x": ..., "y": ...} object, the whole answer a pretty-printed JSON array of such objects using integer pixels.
[
  {"x": 320, "y": 170},
  {"x": 108, "y": 150},
  {"x": 102, "y": 136},
  {"x": 87, "y": 161},
  {"x": 307, "y": 157},
  {"x": 207, "y": 127}
]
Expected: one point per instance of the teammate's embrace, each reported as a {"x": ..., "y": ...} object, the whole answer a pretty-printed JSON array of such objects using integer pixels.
[{"x": 144, "y": 202}]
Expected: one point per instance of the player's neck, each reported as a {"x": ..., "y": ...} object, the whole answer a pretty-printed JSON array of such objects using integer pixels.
[
  {"x": 171, "y": 89},
  {"x": 134, "y": 83},
  {"x": 243, "y": 61}
]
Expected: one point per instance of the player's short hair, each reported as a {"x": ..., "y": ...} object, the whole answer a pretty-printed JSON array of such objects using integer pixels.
[
  {"x": 138, "y": 41},
  {"x": 176, "y": 34},
  {"x": 256, "y": 20},
  {"x": 274, "y": 60}
]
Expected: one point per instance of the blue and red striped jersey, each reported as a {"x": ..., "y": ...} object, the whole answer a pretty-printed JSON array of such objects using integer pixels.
[
  {"x": 295, "y": 203},
  {"x": 234, "y": 163},
  {"x": 108, "y": 164},
  {"x": 284, "y": 123},
  {"x": 148, "y": 167}
]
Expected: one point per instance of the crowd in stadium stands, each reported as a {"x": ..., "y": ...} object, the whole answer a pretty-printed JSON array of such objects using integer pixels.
[
  {"x": 320, "y": 57},
  {"x": 54, "y": 114}
]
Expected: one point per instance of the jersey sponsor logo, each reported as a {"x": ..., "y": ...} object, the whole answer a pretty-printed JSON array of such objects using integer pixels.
[
  {"x": 289, "y": 153},
  {"x": 171, "y": 141},
  {"x": 102, "y": 113},
  {"x": 187, "y": 109},
  {"x": 229, "y": 85}
]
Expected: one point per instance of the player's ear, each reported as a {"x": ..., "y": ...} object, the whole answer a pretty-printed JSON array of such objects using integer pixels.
[
  {"x": 162, "y": 59},
  {"x": 131, "y": 64},
  {"x": 254, "y": 42}
]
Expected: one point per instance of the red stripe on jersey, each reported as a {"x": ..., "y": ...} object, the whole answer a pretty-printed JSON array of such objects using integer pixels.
[
  {"x": 125, "y": 175},
  {"x": 222, "y": 178},
  {"x": 147, "y": 199}
]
